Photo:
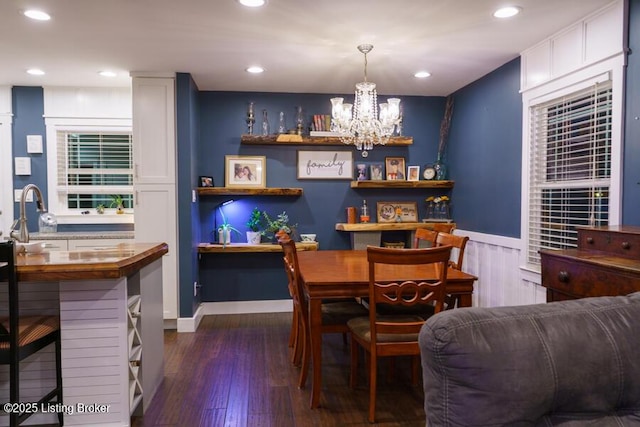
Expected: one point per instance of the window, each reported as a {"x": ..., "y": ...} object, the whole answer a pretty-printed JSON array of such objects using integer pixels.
[
  {"x": 94, "y": 166},
  {"x": 570, "y": 167}
]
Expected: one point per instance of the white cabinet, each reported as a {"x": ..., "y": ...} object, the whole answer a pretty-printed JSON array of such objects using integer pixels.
[
  {"x": 154, "y": 141},
  {"x": 156, "y": 221},
  {"x": 53, "y": 245},
  {"x": 154, "y": 151}
]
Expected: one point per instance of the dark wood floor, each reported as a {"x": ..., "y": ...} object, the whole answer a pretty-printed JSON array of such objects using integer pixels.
[{"x": 235, "y": 371}]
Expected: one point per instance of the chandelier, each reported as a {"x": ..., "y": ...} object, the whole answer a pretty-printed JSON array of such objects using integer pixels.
[{"x": 359, "y": 124}]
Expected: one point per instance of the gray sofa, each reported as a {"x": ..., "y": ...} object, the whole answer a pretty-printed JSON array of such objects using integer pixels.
[{"x": 570, "y": 363}]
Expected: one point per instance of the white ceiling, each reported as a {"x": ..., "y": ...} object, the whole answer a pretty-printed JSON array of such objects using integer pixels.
[{"x": 306, "y": 46}]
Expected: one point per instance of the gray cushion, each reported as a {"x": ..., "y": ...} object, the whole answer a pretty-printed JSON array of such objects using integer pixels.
[{"x": 543, "y": 364}]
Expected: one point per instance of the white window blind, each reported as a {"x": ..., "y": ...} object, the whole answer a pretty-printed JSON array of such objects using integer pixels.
[
  {"x": 94, "y": 166},
  {"x": 570, "y": 167}
]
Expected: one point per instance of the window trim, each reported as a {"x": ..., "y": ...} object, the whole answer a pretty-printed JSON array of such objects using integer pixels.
[
  {"x": 609, "y": 69},
  {"x": 53, "y": 126}
]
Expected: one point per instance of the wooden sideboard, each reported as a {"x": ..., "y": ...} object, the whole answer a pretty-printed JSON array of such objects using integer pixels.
[{"x": 606, "y": 262}]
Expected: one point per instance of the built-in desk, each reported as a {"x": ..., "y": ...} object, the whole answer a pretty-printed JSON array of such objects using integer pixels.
[
  {"x": 363, "y": 234},
  {"x": 206, "y": 248},
  {"x": 111, "y": 317}
]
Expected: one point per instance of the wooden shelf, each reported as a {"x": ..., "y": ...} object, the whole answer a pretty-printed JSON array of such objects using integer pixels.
[
  {"x": 402, "y": 184},
  {"x": 205, "y": 248},
  {"x": 286, "y": 139},
  {"x": 224, "y": 191},
  {"x": 391, "y": 226}
]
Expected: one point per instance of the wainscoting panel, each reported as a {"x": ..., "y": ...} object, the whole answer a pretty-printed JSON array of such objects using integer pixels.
[{"x": 495, "y": 260}]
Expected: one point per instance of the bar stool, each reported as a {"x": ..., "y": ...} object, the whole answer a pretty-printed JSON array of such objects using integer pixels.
[{"x": 22, "y": 335}]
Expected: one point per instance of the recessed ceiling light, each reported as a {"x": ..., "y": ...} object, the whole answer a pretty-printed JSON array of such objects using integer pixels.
[
  {"x": 107, "y": 74},
  {"x": 252, "y": 3},
  {"x": 38, "y": 15},
  {"x": 507, "y": 12},
  {"x": 422, "y": 74},
  {"x": 255, "y": 70},
  {"x": 35, "y": 72}
]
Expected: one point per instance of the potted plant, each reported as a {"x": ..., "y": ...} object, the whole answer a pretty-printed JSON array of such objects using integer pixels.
[
  {"x": 254, "y": 224},
  {"x": 100, "y": 208},
  {"x": 281, "y": 223},
  {"x": 224, "y": 230},
  {"x": 118, "y": 202}
]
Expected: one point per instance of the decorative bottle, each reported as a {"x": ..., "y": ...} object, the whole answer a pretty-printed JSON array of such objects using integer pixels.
[
  {"x": 265, "y": 123},
  {"x": 364, "y": 212},
  {"x": 299, "y": 120},
  {"x": 282, "y": 127}
]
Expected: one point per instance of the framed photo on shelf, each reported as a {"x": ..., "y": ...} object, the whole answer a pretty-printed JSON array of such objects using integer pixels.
[
  {"x": 377, "y": 172},
  {"x": 245, "y": 171},
  {"x": 206, "y": 181},
  {"x": 413, "y": 173},
  {"x": 395, "y": 168},
  {"x": 397, "y": 212},
  {"x": 325, "y": 165},
  {"x": 362, "y": 172}
]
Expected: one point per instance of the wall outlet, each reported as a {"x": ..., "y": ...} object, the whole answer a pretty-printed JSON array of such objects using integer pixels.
[{"x": 193, "y": 196}]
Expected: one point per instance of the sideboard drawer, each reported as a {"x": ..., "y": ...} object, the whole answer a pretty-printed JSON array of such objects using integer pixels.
[
  {"x": 581, "y": 279},
  {"x": 620, "y": 244}
]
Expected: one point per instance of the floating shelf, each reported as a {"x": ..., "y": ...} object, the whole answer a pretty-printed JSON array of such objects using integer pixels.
[
  {"x": 286, "y": 139},
  {"x": 402, "y": 184},
  {"x": 224, "y": 191},
  {"x": 375, "y": 226},
  {"x": 246, "y": 247}
]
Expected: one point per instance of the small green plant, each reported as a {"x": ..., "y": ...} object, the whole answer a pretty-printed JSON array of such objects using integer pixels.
[
  {"x": 274, "y": 225},
  {"x": 117, "y": 201},
  {"x": 255, "y": 220},
  {"x": 100, "y": 208},
  {"x": 225, "y": 229}
]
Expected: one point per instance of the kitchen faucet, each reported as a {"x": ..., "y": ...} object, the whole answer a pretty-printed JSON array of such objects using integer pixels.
[{"x": 22, "y": 234}]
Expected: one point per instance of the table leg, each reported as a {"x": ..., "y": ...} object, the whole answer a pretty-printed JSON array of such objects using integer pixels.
[
  {"x": 315, "y": 326},
  {"x": 464, "y": 300}
]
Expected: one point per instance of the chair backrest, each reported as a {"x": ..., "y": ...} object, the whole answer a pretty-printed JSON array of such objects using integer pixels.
[
  {"x": 8, "y": 275},
  {"x": 293, "y": 274},
  {"x": 423, "y": 235},
  {"x": 444, "y": 227},
  {"x": 426, "y": 290},
  {"x": 458, "y": 242}
]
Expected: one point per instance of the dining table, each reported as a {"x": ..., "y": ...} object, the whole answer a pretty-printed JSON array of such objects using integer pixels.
[{"x": 335, "y": 274}]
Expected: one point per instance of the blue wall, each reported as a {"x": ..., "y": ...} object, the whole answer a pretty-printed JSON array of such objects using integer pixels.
[
  {"x": 631, "y": 184},
  {"x": 485, "y": 153},
  {"x": 324, "y": 202},
  {"x": 28, "y": 109},
  {"x": 187, "y": 134}
]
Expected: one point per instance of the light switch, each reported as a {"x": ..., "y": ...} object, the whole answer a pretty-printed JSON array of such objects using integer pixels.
[{"x": 18, "y": 193}]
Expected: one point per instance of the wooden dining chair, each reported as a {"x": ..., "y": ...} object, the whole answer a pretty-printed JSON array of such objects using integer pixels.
[
  {"x": 459, "y": 243},
  {"x": 24, "y": 335},
  {"x": 444, "y": 227},
  {"x": 396, "y": 335},
  {"x": 334, "y": 314},
  {"x": 424, "y": 238}
]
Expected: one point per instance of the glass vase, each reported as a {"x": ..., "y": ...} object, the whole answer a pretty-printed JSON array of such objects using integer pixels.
[{"x": 441, "y": 169}]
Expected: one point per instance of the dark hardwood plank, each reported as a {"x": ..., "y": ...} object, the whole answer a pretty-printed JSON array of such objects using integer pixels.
[{"x": 235, "y": 371}]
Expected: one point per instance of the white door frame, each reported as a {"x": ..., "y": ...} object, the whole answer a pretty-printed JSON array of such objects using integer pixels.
[{"x": 6, "y": 167}]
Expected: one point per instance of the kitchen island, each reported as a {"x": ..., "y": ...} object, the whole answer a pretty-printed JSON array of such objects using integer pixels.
[{"x": 110, "y": 304}]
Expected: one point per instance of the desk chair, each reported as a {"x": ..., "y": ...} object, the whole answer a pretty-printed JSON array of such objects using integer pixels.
[
  {"x": 334, "y": 314},
  {"x": 21, "y": 336},
  {"x": 459, "y": 243},
  {"x": 424, "y": 236},
  {"x": 396, "y": 334}
]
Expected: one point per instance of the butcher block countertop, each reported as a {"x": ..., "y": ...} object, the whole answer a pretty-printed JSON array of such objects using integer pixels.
[{"x": 97, "y": 263}]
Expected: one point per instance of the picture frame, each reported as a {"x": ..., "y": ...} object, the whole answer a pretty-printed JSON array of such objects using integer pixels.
[
  {"x": 395, "y": 168},
  {"x": 397, "y": 212},
  {"x": 376, "y": 172},
  {"x": 206, "y": 181},
  {"x": 362, "y": 172},
  {"x": 413, "y": 173},
  {"x": 245, "y": 171},
  {"x": 325, "y": 165}
]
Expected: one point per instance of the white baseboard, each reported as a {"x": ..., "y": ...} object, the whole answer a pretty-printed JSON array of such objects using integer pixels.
[
  {"x": 244, "y": 307},
  {"x": 190, "y": 324}
]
